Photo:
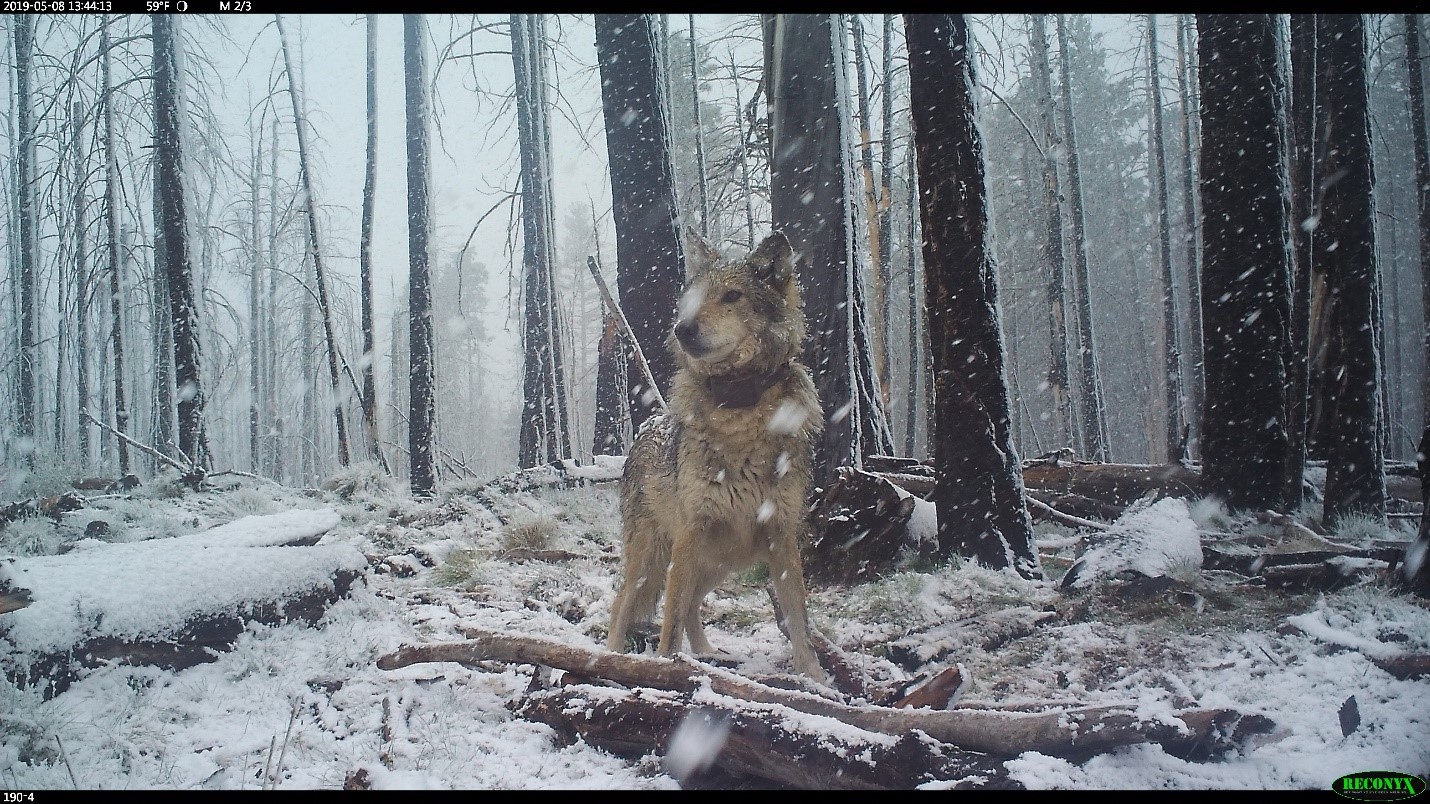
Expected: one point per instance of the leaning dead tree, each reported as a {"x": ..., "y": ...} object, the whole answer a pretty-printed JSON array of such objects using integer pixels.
[{"x": 314, "y": 244}]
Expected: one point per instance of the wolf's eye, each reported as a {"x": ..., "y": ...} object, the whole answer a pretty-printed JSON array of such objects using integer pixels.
[{"x": 732, "y": 296}]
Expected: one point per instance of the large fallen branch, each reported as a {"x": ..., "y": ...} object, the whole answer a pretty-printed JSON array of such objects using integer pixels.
[
  {"x": 760, "y": 742},
  {"x": 51, "y": 507},
  {"x": 1075, "y": 732}
]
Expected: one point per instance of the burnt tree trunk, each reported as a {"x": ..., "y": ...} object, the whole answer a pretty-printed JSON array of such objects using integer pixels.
[
  {"x": 421, "y": 394},
  {"x": 544, "y": 417},
  {"x": 1302, "y": 125},
  {"x": 1415, "y": 81},
  {"x": 979, "y": 489},
  {"x": 610, "y": 391},
  {"x": 1246, "y": 255},
  {"x": 649, "y": 255},
  {"x": 1195, "y": 360},
  {"x": 1345, "y": 245},
  {"x": 173, "y": 255},
  {"x": 811, "y": 201}
]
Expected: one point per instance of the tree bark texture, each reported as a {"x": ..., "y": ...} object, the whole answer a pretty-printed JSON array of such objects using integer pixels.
[
  {"x": 979, "y": 491},
  {"x": 811, "y": 201},
  {"x": 173, "y": 255},
  {"x": 422, "y": 412},
  {"x": 1246, "y": 259},
  {"x": 649, "y": 256},
  {"x": 1345, "y": 245}
]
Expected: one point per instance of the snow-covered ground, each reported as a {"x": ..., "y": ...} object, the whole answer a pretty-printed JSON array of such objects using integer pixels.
[{"x": 296, "y": 707}]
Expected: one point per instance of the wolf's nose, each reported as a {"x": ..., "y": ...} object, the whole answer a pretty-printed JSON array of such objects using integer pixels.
[{"x": 686, "y": 332}]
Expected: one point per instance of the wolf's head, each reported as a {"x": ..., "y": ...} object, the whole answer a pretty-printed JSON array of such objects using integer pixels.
[{"x": 738, "y": 316}]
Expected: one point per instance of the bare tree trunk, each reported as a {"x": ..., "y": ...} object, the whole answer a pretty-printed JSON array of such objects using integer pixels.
[
  {"x": 25, "y": 430},
  {"x": 111, "y": 218},
  {"x": 1171, "y": 348},
  {"x": 1245, "y": 278},
  {"x": 701, "y": 180},
  {"x": 1058, "y": 369},
  {"x": 916, "y": 316},
  {"x": 369, "y": 192},
  {"x": 1302, "y": 125},
  {"x": 1185, "y": 81},
  {"x": 979, "y": 486},
  {"x": 1094, "y": 414},
  {"x": 310, "y": 204},
  {"x": 255, "y": 282},
  {"x": 1416, "y": 83},
  {"x": 746, "y": 190},
  {"x": 174, "y": 256},
  {"x": 610, "y": 379},
  {"x": 422, "y": 413},
  {"x": 649, "y": 255},
  {"x": 1355, "y": 473},
  {"x": 812, "y": 203},
  {"x": 82, "y": 288},
  {"x": 544, "y": 434},
  {"x": 885, "y": 256},
  {"x": 276, "y": 415},
  {"x": 878, "y": 324}
]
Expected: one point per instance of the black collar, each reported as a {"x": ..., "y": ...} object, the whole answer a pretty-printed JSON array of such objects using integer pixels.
[{"x": 744, "y": 390}]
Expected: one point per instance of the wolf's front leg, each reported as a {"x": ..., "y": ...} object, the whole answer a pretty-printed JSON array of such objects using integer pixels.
[
  {"x": 787, "y": 576},
  {"x": 680, "y": 588}
]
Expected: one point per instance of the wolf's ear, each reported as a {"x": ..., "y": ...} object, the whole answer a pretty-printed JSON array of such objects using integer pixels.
[
  {"x": 773, "y": 261},
  {"x": 699, "y": 254}
]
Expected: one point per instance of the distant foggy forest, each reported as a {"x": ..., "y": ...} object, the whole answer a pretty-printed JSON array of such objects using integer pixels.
[{"x": 286, "y": 245}]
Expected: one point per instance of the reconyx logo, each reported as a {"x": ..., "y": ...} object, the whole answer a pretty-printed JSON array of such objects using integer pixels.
[{"x": 1378, "y": 786}]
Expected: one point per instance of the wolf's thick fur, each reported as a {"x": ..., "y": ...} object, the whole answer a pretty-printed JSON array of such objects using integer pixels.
[{"x": 719, "y": 483}]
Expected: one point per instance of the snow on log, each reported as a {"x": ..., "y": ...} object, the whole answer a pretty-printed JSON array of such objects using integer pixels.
[
  {"x": 702, "y": 730},
  {"x": 1075, "y": 732},
  {"x": 169, "y": 602},
  {"x": 51, "y": 507}
]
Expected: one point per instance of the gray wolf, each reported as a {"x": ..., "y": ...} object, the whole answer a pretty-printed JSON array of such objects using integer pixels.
[{"x": 718, "y": 483}]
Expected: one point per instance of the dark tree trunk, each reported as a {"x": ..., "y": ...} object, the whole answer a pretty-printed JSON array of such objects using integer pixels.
[
  {"x": 173, "y": 256},
  {"x": 979, "y": 486},
  {"x": 1094, "y": 414},
  {"x": 114, "y": 250},
  {"x": 916, "y": 317},
  {"x": 1345, "y": 245},
  {"x": 1171, "y": 346},
  {"x": 369, "y": 194},
  {"x": 1245, "y": 265},
  {"x": 24, "y": 29},
  {"x": 700, "y": 179},
  {"x": 811, "y": 201},
  {"x": 1058, "y": 369},
  {"x": 544, "y": 435},
  {"x": 1195, "y": 360},
  {"x": 649, "y": 256},
  {"x": 1416, "y": 83},
  {"x": 879, "y": 327},
  {"x": 276, "y": 416},
  {"x": 82, "y": 287},
  {"x": 422, "y": 414},
  {"x": 610, "y": 391},
  {"x": 1302, "y": 125}
]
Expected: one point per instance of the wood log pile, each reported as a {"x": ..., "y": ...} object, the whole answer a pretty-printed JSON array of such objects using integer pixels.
[{"x": 809, "y": 738}]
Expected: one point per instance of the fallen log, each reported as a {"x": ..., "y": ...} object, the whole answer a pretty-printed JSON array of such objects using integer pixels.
[
  {"x": 860, "y": 528},
  {"x": 52, "y": 507},
  {"x": 1074, "y": 733},
  {"x": 765, "y": 743},
  {"x": 1112, "y": 483},
  {"x": 171, "y": 602}
]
